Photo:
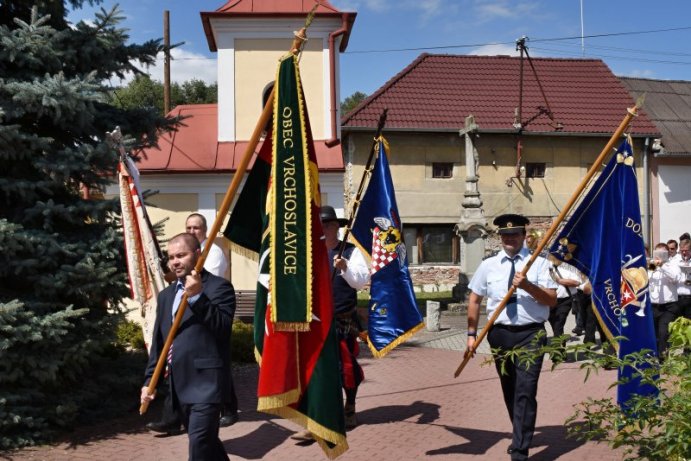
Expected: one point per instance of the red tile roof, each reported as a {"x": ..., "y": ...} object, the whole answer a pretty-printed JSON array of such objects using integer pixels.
[
  {"x": 275, "y": 8},
  {"x": 194, "y": 147},
  {"x": 439, "y": 91}
]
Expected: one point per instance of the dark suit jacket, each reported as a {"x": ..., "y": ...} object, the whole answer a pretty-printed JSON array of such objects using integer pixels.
[{"x": 201, "y": 348}]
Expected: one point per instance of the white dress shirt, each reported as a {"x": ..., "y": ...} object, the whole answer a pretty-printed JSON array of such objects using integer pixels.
[
  {"x": 491, "y": 280},
  {"x": 357, "y": 273},
  {"x": 684, "y": 267},
  {"x": 663, "y": 283},
  {"x": 567, "y": 271},
  {"x": 216, "y": 261}
]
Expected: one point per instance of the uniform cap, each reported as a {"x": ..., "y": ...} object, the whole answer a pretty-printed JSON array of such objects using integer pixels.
[{"x": 510, "y": 223}]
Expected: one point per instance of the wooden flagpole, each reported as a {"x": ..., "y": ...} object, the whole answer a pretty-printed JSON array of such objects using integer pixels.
[
  {"x": 365, "y": 173},
  {"x": 631, "y": 112},
  {"x": 296, "y": 47}
]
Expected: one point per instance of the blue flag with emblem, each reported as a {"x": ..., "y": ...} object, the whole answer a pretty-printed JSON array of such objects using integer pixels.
[
  {"x": 393, "y": 314},
  {"x": 604, "y": 240}
]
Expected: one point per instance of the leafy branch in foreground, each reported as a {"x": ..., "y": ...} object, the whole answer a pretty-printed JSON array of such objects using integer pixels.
[{"x": 650, "y": 427}]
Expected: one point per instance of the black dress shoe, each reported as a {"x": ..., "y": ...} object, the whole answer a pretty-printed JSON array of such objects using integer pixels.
[
  {"x": 511, "y": 450},
  {"x": 228, "y": 420},
  {"x": 164, "y": 428}
]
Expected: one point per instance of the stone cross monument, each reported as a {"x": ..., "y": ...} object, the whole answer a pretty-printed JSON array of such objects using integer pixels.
[{"x": 472, "y": 227}]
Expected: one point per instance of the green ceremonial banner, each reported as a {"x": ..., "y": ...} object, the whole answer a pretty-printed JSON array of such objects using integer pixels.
[
  {"x": 276, "y": 218},
  {"x": 291, "y": 233}
]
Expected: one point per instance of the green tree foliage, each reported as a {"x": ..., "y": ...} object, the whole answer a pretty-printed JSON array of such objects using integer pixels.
[
  {"x": 654, "y": 428},
  {"x": 61, "y": 270},
  {"x": 144, "y": 92},
  {"x": 351, "y": 101}
]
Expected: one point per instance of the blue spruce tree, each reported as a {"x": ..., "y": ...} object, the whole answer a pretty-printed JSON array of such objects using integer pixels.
[{"x": 62, "y": 274}]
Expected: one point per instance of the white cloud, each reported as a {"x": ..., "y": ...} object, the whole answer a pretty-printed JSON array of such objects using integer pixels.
[
  {"x": 495, "y": 50},
  {"x": 431, "y": 8},
  {"x": 642, "y": 73},
  {"x": 184, "y": 66},
  {"x": 357, "y": 5},
  {"x": 424, "y": 10},
  {"x": 494, "y": 10},
  {"x": 504, "y": 9}
]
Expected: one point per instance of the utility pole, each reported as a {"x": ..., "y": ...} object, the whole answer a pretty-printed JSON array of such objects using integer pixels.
[{"x": 166, "y": 62}]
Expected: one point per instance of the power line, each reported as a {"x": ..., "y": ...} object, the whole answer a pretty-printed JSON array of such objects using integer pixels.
[
  {"x": 553, "y": 39},
  {"x": 608, "y": 56},
  {"x": 537, "y": 40}
]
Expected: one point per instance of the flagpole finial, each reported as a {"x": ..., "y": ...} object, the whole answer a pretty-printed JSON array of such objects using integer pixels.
[
  {"x": 301, "y": 35},
  {"x": 639, "y": 103},
  {"x": 310, "y": 15},
  {"x": 382, "y": 121}
]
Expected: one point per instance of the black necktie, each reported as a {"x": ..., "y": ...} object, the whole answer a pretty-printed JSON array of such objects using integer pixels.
[{"x": 512, "y": 305}]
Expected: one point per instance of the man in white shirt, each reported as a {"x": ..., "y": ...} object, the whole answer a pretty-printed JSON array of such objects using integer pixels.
[
  {"x": 521, "y": 324},
  {"x": 683, "y": 260},
  {"x": 673, "y": 246},
  {"x": 216, "y": 262},
  {"x": 568, "y": 279},
  {"x": 349, "y": 274},
  {"x": 663, "y": 279}
]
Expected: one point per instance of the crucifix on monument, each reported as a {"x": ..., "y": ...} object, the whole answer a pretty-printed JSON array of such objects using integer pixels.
[{"x": 472, "y": 227}]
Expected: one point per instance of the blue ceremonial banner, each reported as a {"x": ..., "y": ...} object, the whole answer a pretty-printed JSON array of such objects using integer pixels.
[
  {"x": 604, "y": 240},
  {"x": 393, "y": 313}
]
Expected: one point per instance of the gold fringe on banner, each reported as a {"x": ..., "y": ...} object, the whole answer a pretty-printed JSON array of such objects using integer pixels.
[
  {"x": 273, "y": 402},
  {"x": 299, "y": 327},
  {"x": 333, "y": 443},
  {"x": 244, "y": 252},
  {"x": 404, "y": 337}
]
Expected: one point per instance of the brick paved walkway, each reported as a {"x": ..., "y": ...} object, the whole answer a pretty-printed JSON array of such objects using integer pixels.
[{"x": 410, "y": 407}]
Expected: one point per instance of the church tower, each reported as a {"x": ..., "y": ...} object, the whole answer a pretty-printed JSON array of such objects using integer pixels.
[{"x": 250, "y": 36}]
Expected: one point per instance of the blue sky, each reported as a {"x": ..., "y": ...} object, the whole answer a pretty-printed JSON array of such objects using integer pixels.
[{"x": 461, "y": 27}]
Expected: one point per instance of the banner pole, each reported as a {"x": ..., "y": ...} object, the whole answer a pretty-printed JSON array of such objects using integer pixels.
[
  {"x": 365, "y": 173},
  {"x": 296, "y": 47},
  {"x": 631, "y": 112}
]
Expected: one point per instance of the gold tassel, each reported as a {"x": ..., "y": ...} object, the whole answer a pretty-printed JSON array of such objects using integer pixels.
[
  {"x": 299, "y": 327},
  {"x": 242, "y": 251}
]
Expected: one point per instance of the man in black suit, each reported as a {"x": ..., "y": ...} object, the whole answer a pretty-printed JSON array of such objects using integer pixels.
[{"x": 200, "y": 353}]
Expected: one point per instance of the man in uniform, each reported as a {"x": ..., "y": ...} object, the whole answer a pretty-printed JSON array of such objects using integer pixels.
[{"x": 520, "y": 325}]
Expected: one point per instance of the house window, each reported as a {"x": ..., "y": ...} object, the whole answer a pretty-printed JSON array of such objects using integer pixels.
[
  {"x": 442, "y": 170},
  {"x": 535, "y": 170},
  {"x": 431, "y": 244}
]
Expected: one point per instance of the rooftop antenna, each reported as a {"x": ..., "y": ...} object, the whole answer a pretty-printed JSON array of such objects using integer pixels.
[{"x": 582, "y": 32}]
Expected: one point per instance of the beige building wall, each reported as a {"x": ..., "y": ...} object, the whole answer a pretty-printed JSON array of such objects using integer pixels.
[
  {"x": 567, "y": 159},
  {"x": 423, "y": 199},
  {"x": 255, "y": 67},
  {"x": 179, "y": 195},
  {"x": 173, "y": 209}
]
